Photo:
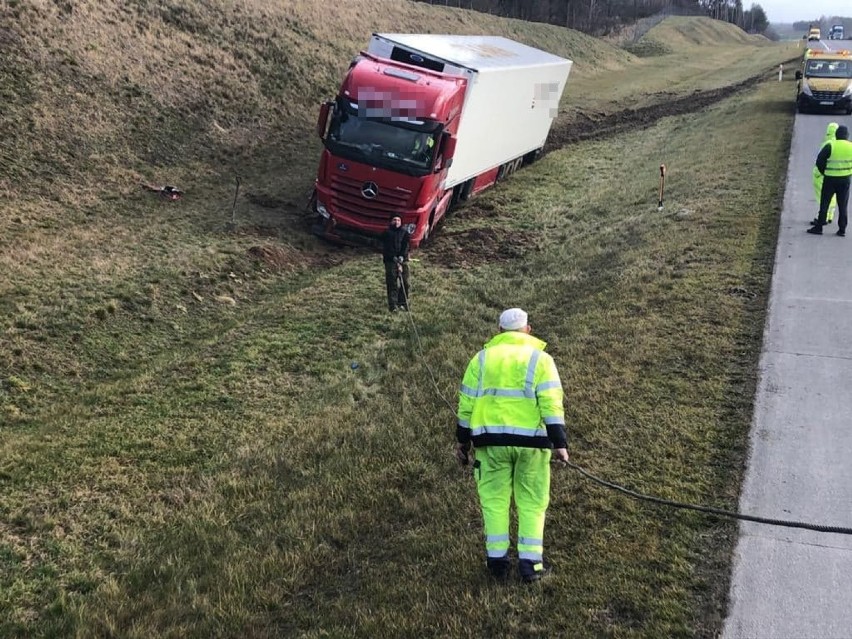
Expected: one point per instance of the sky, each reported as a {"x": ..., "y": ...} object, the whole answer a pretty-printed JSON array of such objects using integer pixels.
[{"x": 795, "y": 10}]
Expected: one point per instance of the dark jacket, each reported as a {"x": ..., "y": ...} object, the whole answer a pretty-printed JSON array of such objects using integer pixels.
[
  {"x": 395, "y": 244},
  {"x": 822, "y": 158}
]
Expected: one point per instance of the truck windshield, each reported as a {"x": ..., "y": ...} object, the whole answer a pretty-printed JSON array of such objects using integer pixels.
[
  {"x": 406, "y": 146},
  {"x": 829, "y": 69}
]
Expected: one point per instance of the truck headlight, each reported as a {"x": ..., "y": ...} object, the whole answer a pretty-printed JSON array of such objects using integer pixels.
[
  {"x": 806, "y": 89},
  {"x": 848, "y": 91},
  {"x": 410, "y": 228},
  {"x": 322, "y": 210}
]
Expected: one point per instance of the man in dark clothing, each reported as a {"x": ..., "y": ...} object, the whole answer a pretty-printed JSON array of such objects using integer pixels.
[
  {"x": 395, "y": 243},
  {"x": 835, "y": 163}
]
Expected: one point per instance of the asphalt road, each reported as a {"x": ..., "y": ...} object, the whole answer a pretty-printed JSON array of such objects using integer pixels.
[{"x": 790, "y": 583}]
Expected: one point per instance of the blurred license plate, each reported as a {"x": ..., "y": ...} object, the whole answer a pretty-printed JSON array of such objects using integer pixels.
[{"x": 824, "y": 103}]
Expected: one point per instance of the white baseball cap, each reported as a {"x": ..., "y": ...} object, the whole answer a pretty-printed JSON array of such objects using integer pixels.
[{"x": 513, "y": 319}]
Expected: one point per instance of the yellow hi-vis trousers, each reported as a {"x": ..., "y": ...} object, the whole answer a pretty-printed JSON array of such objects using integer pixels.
[
  {"x": 829, "y": 216},
  {"x": 502, "y": 472}
]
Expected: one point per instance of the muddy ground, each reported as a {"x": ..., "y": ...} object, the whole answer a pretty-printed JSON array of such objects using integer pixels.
[
  {"x": 472, "y": 247},
  {"x": 589, "y": 125}
]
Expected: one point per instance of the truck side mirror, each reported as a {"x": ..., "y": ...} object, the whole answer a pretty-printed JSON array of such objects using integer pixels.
[
  {"x": 449, "y": 147},
  {"x": 798, "y": 75},
  {"x": 322, "y": 122},
  {"x": 448, "y": 150}
]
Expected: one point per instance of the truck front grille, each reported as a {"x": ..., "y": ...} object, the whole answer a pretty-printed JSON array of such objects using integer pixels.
[
  {"x": 825, "y": 96},
  {"x": 347, "y": 197}
]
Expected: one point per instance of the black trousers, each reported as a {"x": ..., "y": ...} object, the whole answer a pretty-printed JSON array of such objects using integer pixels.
[
  {"x": 397, "y": 295},
  {"x": 831, "y": 186}
]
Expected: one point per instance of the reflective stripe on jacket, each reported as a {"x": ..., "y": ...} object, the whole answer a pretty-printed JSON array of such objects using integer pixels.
[
  {"x": 839, "y": 162},
  {"x": 511, "y": 392}
]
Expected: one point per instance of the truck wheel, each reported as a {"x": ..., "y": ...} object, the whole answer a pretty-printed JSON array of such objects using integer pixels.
[
  {"x": 461, "y": 193},
  {"x": 456, "y": 196},
  {"x": 427, "y": 233}
]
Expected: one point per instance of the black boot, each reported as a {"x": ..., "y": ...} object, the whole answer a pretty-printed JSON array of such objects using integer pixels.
[
  {"x": 531, "y": 571},
  {"x": 499, "y": 568}
]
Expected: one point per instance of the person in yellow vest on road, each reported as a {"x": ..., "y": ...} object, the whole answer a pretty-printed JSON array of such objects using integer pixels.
[
  {"x": 829, "y": 137},
  {"x": 510, "y": 409},
  {"x": 835, "y": 163}
]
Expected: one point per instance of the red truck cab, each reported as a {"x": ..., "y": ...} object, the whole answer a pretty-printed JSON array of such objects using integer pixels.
[
  {"x": 389, "y": 141},
  {"x": 424, "y": 121}
]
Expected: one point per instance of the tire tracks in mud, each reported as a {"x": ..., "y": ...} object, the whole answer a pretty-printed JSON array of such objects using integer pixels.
[
  {"x": 453, "y": 249},
  {"x": 584, "y": 126}
]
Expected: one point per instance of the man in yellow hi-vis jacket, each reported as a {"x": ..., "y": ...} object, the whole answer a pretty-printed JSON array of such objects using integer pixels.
[
  {"x": 510, "y": 409},
  {"x": 835, "y": 163}
]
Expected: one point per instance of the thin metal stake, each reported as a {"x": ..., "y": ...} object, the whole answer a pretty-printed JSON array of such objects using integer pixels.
[{"x": 234, "y": 206}]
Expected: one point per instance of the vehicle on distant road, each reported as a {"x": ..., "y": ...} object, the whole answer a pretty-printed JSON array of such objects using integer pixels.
[
  {"x": 825, "y": 82},
  {"x": 814, "y": 34},
  {"x": 836, "y": 32},
  {"x": 422, "y": 122}
]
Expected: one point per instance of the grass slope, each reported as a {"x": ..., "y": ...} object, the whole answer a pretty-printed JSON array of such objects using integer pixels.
[
  {"x": 165, "y": 83},
  {"x": 679, "y": 56},
  {"x": 680, "y": 33},
  {"x": 185, "y": 447}
]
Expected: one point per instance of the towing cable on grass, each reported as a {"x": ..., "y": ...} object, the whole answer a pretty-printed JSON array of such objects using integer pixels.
[{"x": 710, "y": 510}]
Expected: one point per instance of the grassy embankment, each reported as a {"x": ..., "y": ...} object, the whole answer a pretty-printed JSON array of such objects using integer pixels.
[{"x": 185, "y": 448}]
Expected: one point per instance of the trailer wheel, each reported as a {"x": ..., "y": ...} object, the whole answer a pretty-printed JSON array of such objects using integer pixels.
[{"x": 531, "y": 157}]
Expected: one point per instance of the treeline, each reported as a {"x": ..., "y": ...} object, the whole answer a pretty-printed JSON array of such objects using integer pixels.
[
  {"x": 824, "y": 23},
  {"x": 603, "y": 16}
]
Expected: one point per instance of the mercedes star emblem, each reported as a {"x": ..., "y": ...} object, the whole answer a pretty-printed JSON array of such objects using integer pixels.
[{"x": 370, "y": 190}]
